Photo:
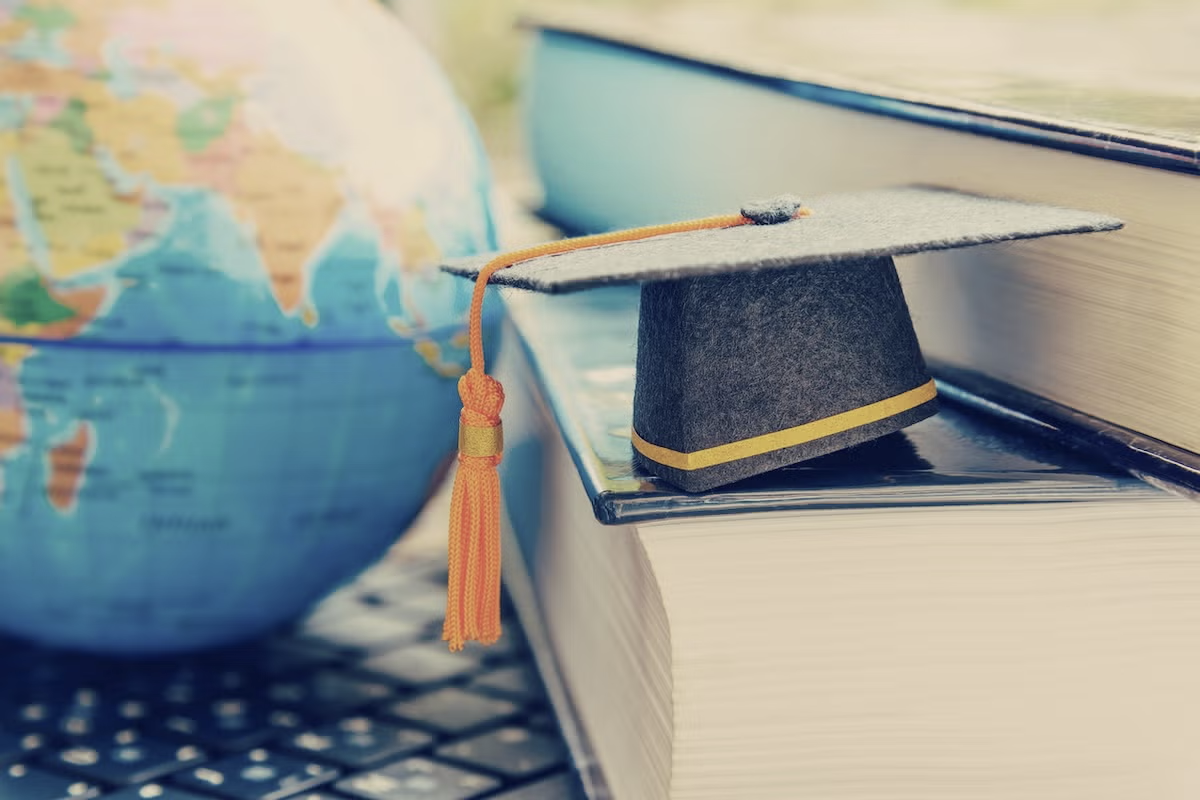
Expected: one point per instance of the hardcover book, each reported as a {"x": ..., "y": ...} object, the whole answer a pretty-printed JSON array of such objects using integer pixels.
[{"x": 956, "y": 610}]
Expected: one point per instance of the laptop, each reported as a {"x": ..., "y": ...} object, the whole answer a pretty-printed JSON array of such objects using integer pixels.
[{"x": 361, "y": 700}]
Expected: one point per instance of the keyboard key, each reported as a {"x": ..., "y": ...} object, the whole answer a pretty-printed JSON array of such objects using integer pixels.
[
  {"x": 155, "y": 791},
  {"x": 516, "y": 752},
  {"x": 186, "y": 682},
  {"x": 211, "y": 679},
  {"x": 420, "y": 604},
  {"x": 124, "y": 759},
  {"x": 257, "y": 775},
  {"x": 510, "y": 646},
  {"x": 423, "y": 664},
  {"x": 359, "y": 742},
  {"x": 342, "y": 604},
  {"x": 556, "y": 787},
  {"x": 17, "y": 746},
  {"x": 423, "y": 576},
  {"x": 86, "y": 715},
  {"x": 281, "y": 657},
  {"x": 230, "y": 724},
  {"x": 364, "y": 634},
  {"x": 418, "y": 779},
  {"x": 519, "y": 682},
  {"x": 327, "y": 694},
  {"x": 453, "y": 711},
  {"x": 22, "y": 782}
]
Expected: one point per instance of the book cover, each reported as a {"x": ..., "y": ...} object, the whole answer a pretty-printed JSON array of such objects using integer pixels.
[{"x": 1117, "y": 82}]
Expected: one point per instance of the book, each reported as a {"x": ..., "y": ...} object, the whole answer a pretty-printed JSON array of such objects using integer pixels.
[
  {"x": 959, "y": 610},
  {"x": 643, "y": 117}
]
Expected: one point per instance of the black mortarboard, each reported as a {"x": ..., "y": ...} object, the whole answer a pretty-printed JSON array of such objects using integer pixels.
[{"x": 766, "y": 344}]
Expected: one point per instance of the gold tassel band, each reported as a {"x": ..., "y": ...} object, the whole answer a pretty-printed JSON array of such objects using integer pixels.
[
  {"x": 780, "y": 440},
  {"x": 480, "y": 441}
]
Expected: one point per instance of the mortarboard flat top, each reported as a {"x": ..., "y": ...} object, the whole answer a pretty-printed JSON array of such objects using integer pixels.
[
  {"x": 762, "y": 345},
  {"x": 843, "y": 227}
]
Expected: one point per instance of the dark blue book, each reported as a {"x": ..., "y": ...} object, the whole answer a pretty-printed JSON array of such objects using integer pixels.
[
  {"x": 641, "y": 117},
  {"x": 960, "y": 607}
]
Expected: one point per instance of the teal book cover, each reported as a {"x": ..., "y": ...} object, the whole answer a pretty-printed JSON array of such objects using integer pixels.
[{"x": 1116, "y": 82}]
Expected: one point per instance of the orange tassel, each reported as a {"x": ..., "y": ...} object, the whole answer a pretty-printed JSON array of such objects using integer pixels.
[
  {"x": 473, "y": 599},
  {"x": 473, "y": 593}
]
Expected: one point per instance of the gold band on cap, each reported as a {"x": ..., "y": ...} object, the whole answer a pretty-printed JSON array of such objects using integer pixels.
[
  {"x": 480, "y": 440},
  {"x": 779, "y": 440}
]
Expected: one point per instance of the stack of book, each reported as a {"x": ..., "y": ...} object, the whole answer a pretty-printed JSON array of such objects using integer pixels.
[
  {"x": 653, "y": 117},
  {"x": 1002, "y": 601}
]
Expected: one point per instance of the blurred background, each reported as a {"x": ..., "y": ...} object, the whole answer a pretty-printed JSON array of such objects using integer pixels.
[
  {"x": 481, "y": 46},
  {"x": 480, "y": 43}
]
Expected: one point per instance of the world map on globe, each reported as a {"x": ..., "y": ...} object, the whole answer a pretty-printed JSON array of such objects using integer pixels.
[{"x": 227, "y": 359}]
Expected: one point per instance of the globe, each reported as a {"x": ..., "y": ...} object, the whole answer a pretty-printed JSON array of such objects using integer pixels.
[{"x": 227, "y": 358}]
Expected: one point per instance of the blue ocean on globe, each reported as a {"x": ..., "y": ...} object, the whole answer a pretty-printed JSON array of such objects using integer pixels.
[{"x": 227, "y": 359}]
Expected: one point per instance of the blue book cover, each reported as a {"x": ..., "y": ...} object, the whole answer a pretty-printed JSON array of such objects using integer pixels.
[
  {"x": 1117, "y": 83},
  {"x": 571, "y": 358}
]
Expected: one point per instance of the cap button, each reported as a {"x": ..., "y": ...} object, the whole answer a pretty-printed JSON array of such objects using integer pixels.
[{"x": 773, "y": 211}]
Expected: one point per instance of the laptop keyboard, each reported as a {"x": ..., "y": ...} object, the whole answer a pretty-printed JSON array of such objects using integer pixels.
[{"x": 359, "y": 701}]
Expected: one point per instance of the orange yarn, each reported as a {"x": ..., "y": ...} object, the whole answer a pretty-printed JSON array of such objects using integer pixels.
[{"x": 473, "y": 598}]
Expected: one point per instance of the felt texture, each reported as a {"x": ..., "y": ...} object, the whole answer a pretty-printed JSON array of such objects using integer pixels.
[
  {"x": 728, "y": 357},
  {"x": 842, "y": 227}
]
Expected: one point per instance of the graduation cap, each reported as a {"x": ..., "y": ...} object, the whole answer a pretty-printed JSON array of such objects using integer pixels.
[{"x": 767, "y": 337}]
